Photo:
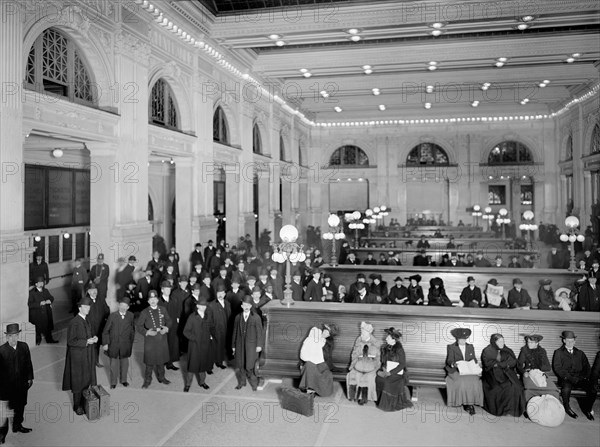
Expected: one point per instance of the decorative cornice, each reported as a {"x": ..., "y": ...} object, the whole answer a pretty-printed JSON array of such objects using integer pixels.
[{"x": 128, "y": 45}]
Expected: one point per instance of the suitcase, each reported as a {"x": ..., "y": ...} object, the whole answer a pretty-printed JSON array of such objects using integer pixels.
[
  {"x": 91, "y": 405},
  {"x": 104, "y": 397},
  {"x": 295, "y": 400}
]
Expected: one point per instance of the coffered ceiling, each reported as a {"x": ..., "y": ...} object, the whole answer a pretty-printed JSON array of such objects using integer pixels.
[{"x": 320, "y": 55}]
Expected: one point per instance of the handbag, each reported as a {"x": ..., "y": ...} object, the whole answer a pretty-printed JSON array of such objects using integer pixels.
[{"x": 366, "y": 365}]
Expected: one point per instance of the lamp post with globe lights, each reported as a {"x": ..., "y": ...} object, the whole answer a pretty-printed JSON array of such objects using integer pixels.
[
  {"x": 288, "y": 251},
  {"x": 370, "y": 218},
  {"x": 528, "y": 226},
  {"x": 571, "y": 235},
  {"x": 476, "y": 214},
  {"x": 354, "y": 223},
  {"x": 489, "y": 216},
  {"x": 334, "y": 224},
  {"x": 503, "y": 219}
]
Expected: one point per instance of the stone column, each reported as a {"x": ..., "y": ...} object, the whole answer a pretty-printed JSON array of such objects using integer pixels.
[
  {"x": 265, "y": 216},
  {"x": 183, "y": 209},
  {"x": 233, "y": 229}
]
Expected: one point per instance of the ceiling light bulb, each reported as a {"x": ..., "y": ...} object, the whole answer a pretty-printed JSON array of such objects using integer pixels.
[
  {"x": 576, "y": 54},
  {"x": 432, "y": 68},
  {"x": 355, "y": 38},
  {"x": 337, "y": 109},
  {"x": 280, "y": 43},
  {"x": 522, "y": 26},
  {"x": 475, "y": 103},
  {"x": 433, "y": 63},
  {"x": 428, "y": 105},
  {"x": 353, "y": 31},
  {"x": 546, "y": 81},
  {"x": 274, "y": 36},
  {"x": 542, "y": 85},
  {"x": 527, "y": 18},
  {"x": 499, "y": 64},
  {"x": 376, "y": 92},
  {"x": 368, "y": 71},
  {"x": 570, "y": 60},
  {"x": 429, "y": 89},
  {"x": 436, "y": 32},
  {"x": 437, "y": 25},
  {"x": 307, "y": 75},
  {"x": 502, "y": 59},
  {"x": 366, "y": 67},
  {"x": 381, "y": 107}
]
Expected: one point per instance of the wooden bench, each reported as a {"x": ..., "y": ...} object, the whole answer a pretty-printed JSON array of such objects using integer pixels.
[
  {"x": 416, "y": 234},
  {"x": 426, "y": 333},
  {"x": 455, "y": 278},
  {"x": 461, "y": 243}
]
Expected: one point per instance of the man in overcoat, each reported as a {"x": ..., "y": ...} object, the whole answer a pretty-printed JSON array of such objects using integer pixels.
[
  {"x": 78, "y": 282},
  {"x": 99, "y": 312},
  {"x": 16, "y": 377},
  {"x": 99, "y": 276},
  {"x": 80, "y": 371},
  {"x": 40, "y": 311},
  {"x": 117, "y": 342},
  {"x": 248, "y": 341},
  {"x": 173, "y": 303},
  {"x": 220, "y": 313}
]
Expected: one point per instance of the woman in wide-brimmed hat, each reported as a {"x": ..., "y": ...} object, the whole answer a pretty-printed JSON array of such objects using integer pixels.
[
  {"x": 392, "y": 379},
  {"x": 316, "y": 353},
  {"x": 533, "y": 365},
  {"x": 463, "y": 389},
  {"x": 437, "y": 293},
  {"x": 415, "y": 291}
]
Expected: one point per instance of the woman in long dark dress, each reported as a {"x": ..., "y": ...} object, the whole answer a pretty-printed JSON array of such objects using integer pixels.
[
  {"x": 316, "y": 353},
  {"x": 437, "y": 293},
  {"x": 392, "y": 378},
  {"x": 533, "y": 361},
  {"x": 501, "y": 386},
  {"x": 200, "y": 331}
]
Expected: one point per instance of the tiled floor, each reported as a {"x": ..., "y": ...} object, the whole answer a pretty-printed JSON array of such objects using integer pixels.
[{"x": 164, "y": 415}]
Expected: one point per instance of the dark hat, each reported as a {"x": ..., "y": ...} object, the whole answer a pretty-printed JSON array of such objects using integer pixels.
[
  {"x": 498, "y": 257},
  {"x": 568, "y": 334},
  {"x": 12, "y": 328},
  {"x": 545, "y": 282},
  {"x": 360, "y": 286},
  {"x": 236, "y": 278},
  {"x": 132, "y": 258},
  {"x": 125, "y": 300},
  {"x": 85, "y": 301},
  {"x": 39, "y": 279},
  {"x": 470, "y": 278},
  {"x": 202, "y": 300},
  {"x": 461, "y": 333},
  {"x": 296, "y": 272},
  {"x": 332, "y": 328},
  {"x": 204, "y": 275},
  {"x": 196, "y": 286},
  {"x": 100, "y": 256},
  {"x": 251, "y": 278},
  {"x": 517, "y": 281},
  {"x": 393, "y": 333},
  {"x": 534, "y": 337},
  {"x": 263, "y": 272},
  {"x": 398, "y": 278},
  {"x": 360, "y": 275},
  {"x": 183, "y": 278},
  {"x": 92, "y": 286},
  {"x": 375, "y": 276},
  {"x": 316, "y": 271},
  {"x": 436, "y": 282},
  {"x": 326, "y": 276},
  {"x": 256, "y": 289},
  {"x": 220, "y": 288},
  {"x": 247, "y": 300},
  {"x": 165, "y": 284},
  {"x": 222, "y": 267},
  {"x": 415, "y": 277},
  {"x": 493, "y": 282},
  {"x": 152, "y": 293}
]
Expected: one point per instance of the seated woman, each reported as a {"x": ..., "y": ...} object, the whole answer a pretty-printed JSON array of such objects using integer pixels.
[
  {"x": 392, "y": 379},
  {"x": 463, "y": 389},
  {"x": 533, "y": 365},
  {"x": 316, "y": 354},
  {"x": 494, "y": 295},
  {"x": 415, "y": 291},
  {"x": 546, "y": 300},
  {"x": 364, "y": 364},
  {"x": 518, "y": 297},
  {"x": 502, "y": 390},
  {"x": 437, "y": 293}
]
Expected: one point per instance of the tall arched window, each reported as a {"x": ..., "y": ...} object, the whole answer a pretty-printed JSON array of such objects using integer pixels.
[
  {"x": 220, "y": 127},
  {"x": 510, "y": 152},
  {"x": 55, "y": 65},
  {"x": 163, "y": 108},
  {"x": 281, "y": 148},
  {"x": 256, "y": 140},
  {"x": 427, "y": 154},
  {"x": 349, "y": 155},
  {"x": 595, "y": 146},
  {"x": 569, "y": 150}
]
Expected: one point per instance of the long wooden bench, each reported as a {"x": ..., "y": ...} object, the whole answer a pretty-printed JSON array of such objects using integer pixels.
[
  {"x": 464, "y": 243},
  {"x": 455, "y": 278},
  {"x": 429, "y": 233},
  {"x": 426, "y": 333}
]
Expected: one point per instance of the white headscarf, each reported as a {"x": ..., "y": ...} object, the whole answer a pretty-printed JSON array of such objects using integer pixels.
[{"x": 312, "y": 347}]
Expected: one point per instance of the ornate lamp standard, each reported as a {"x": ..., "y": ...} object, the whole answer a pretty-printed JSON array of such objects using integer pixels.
[
  {"x": 572, "y": 235},
  {"x": 528, "y": 226},
  {"x": 477, "y": 214},
  {"x": 288, "y": 250},
  {"x": 489, "y": 216},
  {"x": 334, "y": 224},
  {"x": 355, "y": 224},
  {"x": 503, "y": 220}
]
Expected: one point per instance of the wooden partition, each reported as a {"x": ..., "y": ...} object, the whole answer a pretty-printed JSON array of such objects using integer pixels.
[
  {"x": 455, "y": 278},
  {"x": 426, "y": 333}
]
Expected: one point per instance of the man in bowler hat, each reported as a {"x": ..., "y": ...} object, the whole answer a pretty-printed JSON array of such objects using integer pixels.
[
  {"x": 572, "y": 368},
  {"x": 117, "y": 342},
  {"x": 16, "y": 377}
]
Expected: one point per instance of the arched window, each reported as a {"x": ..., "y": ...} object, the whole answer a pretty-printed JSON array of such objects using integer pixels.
[
  {"x": 349, "y": 155},
  {"x": 220, "y": 128},
  {"x": 510, "y": 152},
  {"x": 427, "y": 154},
  {"x": 281, "y": 148},
  {"x": 55, "y": 65},
  {"x": 569, "y": 148},
  {"x": 163, "y": 108},
  {"x": 256, "y": 140},
  {"x": 595, "y": 146}
]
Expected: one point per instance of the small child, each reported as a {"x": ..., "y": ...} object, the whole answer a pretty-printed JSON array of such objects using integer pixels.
[{"x": 562, "y": 296}]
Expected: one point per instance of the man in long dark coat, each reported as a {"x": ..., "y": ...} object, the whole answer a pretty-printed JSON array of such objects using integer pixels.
[
  {"x": 99, "y": 276},
  {"x": 220, "y": 313},
  {"x": 80, "y": 371},
  {"x": 117, "y": 342},
  {"x": 200, "y": 332},
  {"x": 40, "y": 311},
  {"x": 174, "y": 305},
  {"x": 78, "y": 282},
  {"x": 99, "y": 312},
  {"x": 248, "y": 341},
  {"x": 124, "y": 276},
  {"x": 153, "y": 323},
  {"x": 181, "y": 293},
  {"x": 38, "y": 268},
  {"x": 16, "y": 377}
]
